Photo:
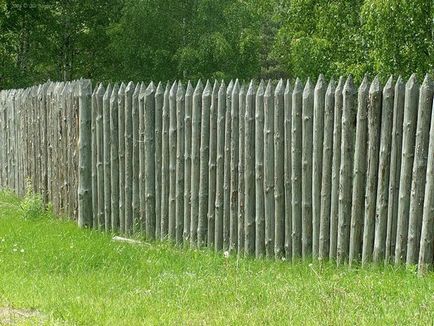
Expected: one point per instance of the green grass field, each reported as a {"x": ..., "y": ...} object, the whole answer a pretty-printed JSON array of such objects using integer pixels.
[{"x": 82, "y": 277}]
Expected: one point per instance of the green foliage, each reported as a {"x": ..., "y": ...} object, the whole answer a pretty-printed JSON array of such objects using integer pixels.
[
  {"x": 172, "y": 39},
  {"x": 32, "y": 206}
]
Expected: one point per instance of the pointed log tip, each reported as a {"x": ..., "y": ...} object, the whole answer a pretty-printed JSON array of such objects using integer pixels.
[
  {"x": 427, "y": 81},
  {"x": 85, "y": 87},
  {"x": 222, "y": 89},
  {"x": 199, "y": 88},
  {"x": 190, "y": 89},
  {"x": 122, "y": 89},
  {"x": 288, "y": 87},
  {"x": 208, "y": 89},
  {"x": 108, "y": 92},
  {"x": 216, "y": 86},
  {"x": 412, "y": 82},
  {"x": 251, "y": 90},
  {"x": 364, "y": 86},
  {"x": 174, "y": 88},
  {"x": 331, "y": 88},
  {"x": 375, "y": 85},
  {"x": 130, "y": 87},
  {"x": 115, "y": 91},
  {"x": 308, "y": 88},
  {"x": 229, "y": 87},
  {"x": 279, "y": 88},
  {"x": 160, "y": 89},
  {"x": 389, "y": 83},
  {"x": 150, "y": 89},
  {"x": 321, "y": 82},
  {"x": 268, "y": 89},
  {"x": 349, "y": 84},
  {"x": 137, "y": 89}
]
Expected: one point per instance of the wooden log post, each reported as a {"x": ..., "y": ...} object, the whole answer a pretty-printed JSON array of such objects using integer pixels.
[
  {"x": 395, "y": 168},
  {"x": 100, "y": 155},
  {"x": 172, "y": 161},
  {"x": 107, "y": 156},
  {"x": 149, "y": 117},
  {"x": 287, "y": 168},
  {"x": 94, "y": 160},
  {"x": 165, "y": 182},
  {"x": 419, "y": 170},
  {"x": 234, "y": 161},
  {"x": 212, "y": 172},
  {"x": 296, "y": 160},
  {"x": 159, "y": 102},
  {"x": 136, "y": 161},
  {"x": 114, "y": 152},
  {"x": 142, "y": 158},
  {"x": 202, "y": 227},
  {"x": 359, "y": 173},
  {"x": 327, "y": 167},
  {"x": 187, "y": 160},
  {"x": 269, "y": 170},
  {"x": 121, "y": 133},
  {"x": 317, "y": 160},
  {"x": 250, "y": 152},
  {"x": 180, "y": 120},
  {"x": 408, "y": 142},
  {"x": 128, "y": 139},
  {"x": 279, "y": 171},
  {"x": 374, "y": 117},
  {"x": 346, "y": 170},
  {"x": 221, "y": 107},
  {"x": 383, "y": 172},
  {"x": 227, "y": 169},
  {"x": 427, "y": 232},
  {"x": 195, "y": 161},
  {"x": 85, "y": 155},
  {"x": 241, "y": 162},
  {"x": 337, "y": 139},
  {"x": 307, "y": 148}
]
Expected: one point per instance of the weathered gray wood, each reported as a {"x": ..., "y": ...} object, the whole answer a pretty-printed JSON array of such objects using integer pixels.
[
  {"x": 100, "y": 154},
  {"x": 395, "y": 168},
  {"x": 128, "y": 139},
  {"x": 269, "y": 170},
  {"x": 159, "y": 102},
  {"x": 121, "y": 133},
  {"x": 250, "y": 155},
  {"x": 135, "y": 158},
  {"x": 337, "y": 137},
  {"x": 172, "y": 161},
  {"x": 85, "y": 155},
  {"x": 241, "y": 162},
  {"x": 408, "y": 141},
  {"x": 296, "y": 160},
  {"x": 227, "y": 168},
  {"x": 165, "y": 183},
  {"x": 346, "y": 170},
  {"x": 114, "y": 152},
  {"x": 307, "y": 148},
  {"x": 187, "y": 160},
  {"x": 107, "y": 156},
  {"x": 149, "y": 117},
  {"x": 427, "y": 233},
  {"x": 374, "y": 117},
  {"x": 195, "y": 161},
  {"x": 234, "y": 161},
  {"x": 221, "y": 107},
  {"x": 202, "y": 226},
  {"x": 180, "y": 120},
  {"x": 383, "y": 172},
  {"x": 141, "y": 149},
  {"x": 359, "y": 173},
  {"x": 287, "y": 168},
  {"x": 327, "y": 164},
  {"x": 419, "y": 170},
  {"x": 279, "y": 181},
  {"x": 212, "y": 172},
  {"x": 317, "y": 160}
]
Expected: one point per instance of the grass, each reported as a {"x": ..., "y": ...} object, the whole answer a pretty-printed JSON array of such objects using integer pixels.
[{"x": 81, "y": 277}]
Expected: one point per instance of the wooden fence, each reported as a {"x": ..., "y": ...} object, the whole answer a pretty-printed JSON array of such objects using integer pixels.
[{"x": 286, "y": 170}]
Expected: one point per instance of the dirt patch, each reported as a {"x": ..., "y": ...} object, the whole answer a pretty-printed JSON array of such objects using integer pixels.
[{"x": 14, "y": 316}]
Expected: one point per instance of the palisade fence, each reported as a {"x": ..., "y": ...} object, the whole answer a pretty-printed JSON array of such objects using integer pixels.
[{"x": 286, "y": 171}]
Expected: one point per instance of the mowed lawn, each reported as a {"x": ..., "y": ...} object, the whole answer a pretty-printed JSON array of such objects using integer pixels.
[{"x": 82, "y": 277}]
